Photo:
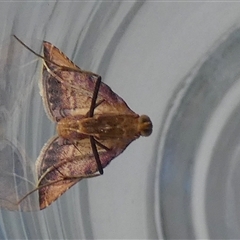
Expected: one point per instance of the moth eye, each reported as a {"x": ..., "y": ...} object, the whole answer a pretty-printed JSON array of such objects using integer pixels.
[{"x": 145, "y": 125}]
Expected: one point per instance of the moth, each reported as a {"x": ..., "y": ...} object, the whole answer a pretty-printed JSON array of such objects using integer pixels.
[{"x": 93, "y": 125}]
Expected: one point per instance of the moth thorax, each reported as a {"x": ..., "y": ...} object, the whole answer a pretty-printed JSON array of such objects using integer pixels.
[
  {"x": 70, "y": 129},
  {"x": 144, "y": 125}
]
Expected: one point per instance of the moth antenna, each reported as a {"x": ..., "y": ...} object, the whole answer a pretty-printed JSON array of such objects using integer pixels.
[
  {"x": 49, "y": 61},
  {"x": 62, "y": 68},
  {"x": 56, "y": 181},
  {"x": 38, "y": 55}
]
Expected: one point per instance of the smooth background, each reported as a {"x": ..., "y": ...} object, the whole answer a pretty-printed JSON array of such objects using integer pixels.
[{"x": 144, "y": 51}]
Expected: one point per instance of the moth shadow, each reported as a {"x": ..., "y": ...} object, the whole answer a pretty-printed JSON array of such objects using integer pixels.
[{"x": 17, "y": 178}]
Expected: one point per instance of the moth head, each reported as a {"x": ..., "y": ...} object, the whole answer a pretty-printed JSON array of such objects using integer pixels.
[{"x": 144, "y": 125}]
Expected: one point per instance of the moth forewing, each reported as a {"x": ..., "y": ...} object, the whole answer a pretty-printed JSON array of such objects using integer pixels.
[
  {"x": 57, "y": 58},
  {"x": 61, "y": 165}
]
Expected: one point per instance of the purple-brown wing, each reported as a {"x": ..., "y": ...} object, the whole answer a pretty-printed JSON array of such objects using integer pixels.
[
  {"x": 61, "y": 164},
  {"x": 68, "y": 92}
]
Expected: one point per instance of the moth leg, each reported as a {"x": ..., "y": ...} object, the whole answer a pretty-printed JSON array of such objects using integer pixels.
[
  {"x": 53, "y": 167},
  {"x": 59, "y": 171},
  {"x": 101, "y": 145},
  {"x": 80, "y": 177},
  {"x": 90, "y": 114},
  {"x": 65, "y": 68},
  {"x": 96, "y": 155},
  {"x": 96, "y": 105},
  {"x": 45, "y": 173},
  {"x": 65, "y": 177},
  {"x": 94, "y": 97}
]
